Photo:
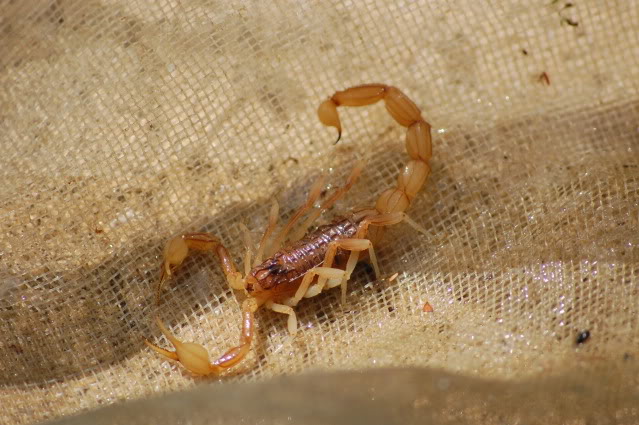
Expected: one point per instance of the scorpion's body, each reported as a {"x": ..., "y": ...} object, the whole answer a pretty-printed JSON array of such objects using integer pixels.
[
  {"x": 287, "y": 267},
  {"x": 314, "y": 261}
]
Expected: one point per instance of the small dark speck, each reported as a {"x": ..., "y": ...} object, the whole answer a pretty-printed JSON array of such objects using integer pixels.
[
  {"x": 525, "y": 52},
  {"x": 121, "y": 198},
  {"x": 571, "y": 22},
  {"x": 583, "y": 337},
  {"x": 627, "y": 357},
  {"x": 391, "y": 309},
  {"x": 15, "y": 348},
  {"x": 544, "y": 78},
  {"x": 271, "y": 167}
]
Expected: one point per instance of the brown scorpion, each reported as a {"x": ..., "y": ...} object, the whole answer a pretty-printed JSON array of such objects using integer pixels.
[{"x": 315, "y": 261}]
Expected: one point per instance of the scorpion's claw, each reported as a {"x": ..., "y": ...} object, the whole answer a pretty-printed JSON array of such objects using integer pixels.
[
  {"x": 193, "y": 356},
  {"x": 175, "y": 252},
  {"x": 164, "y": 276}
]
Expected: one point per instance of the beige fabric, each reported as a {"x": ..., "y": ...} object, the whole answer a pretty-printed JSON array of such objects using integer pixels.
[
  {"x": 381, "y": 396},
  {"x": 127, "y": 122}
]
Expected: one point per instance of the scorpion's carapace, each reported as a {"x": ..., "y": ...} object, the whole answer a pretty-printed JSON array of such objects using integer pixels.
[{"x": 310, "y": 262}]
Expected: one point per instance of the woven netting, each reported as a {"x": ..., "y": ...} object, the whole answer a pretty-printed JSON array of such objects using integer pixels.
[{"x": 125, "y": 123}]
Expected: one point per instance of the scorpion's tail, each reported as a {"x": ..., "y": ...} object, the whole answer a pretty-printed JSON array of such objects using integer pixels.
[{"x": 418, "y": 140}]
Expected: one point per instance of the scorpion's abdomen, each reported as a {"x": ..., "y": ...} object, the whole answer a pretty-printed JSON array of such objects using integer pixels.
[{"x": 292, "y": 262}]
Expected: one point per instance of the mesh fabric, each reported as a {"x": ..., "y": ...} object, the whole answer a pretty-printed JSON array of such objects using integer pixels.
[{"x": 125, "y": 123}]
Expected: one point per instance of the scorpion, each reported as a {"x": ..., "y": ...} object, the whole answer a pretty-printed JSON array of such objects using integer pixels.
[{"x": 315, "y": 261}]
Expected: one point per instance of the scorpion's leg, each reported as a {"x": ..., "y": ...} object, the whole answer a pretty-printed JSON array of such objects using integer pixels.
[
  {"x": 356, "y": 246},
  {"x": 352, "y": 244},
  {"x": 313, "y": 195},
  {"x": 328, "y": 203},
  {"x": 177, "y": 249},
  {"x": 285, "y": 309},
  {"x": 248, "y": 248},
  {"x": 324, "y": 273},
  {"x": 375, "y": 220},
  {"x": 272, "y": 222},
  {"x": 381, "y": 220},
  {"x": 195, "y": 358}
]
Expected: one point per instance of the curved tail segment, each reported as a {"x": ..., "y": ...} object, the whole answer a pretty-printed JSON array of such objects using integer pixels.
[{"x": 418, "y": 138}]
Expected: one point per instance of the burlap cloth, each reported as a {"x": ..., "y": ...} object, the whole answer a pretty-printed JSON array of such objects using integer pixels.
[{"x": 124, "y": 123}]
